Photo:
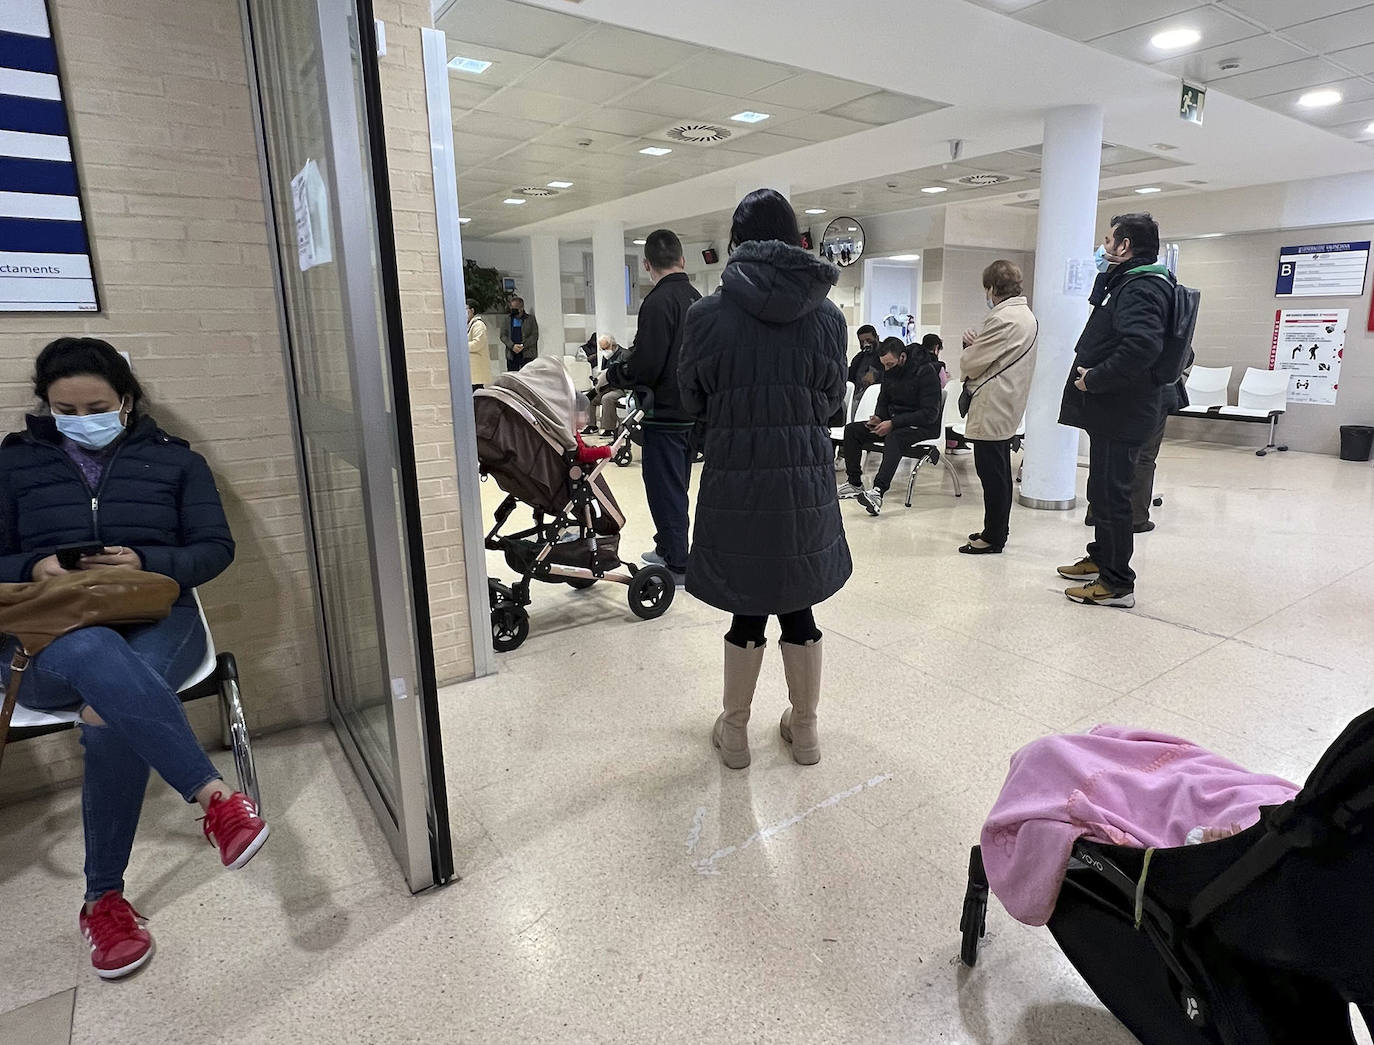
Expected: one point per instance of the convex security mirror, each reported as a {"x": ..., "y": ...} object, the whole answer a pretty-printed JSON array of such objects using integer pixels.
[{"x": 843, "y": 242}]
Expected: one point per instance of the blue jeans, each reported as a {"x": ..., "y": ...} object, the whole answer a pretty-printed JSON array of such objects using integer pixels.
[
  {"x": 127, "y": 678},
  {"x": 667, "y": 471}
]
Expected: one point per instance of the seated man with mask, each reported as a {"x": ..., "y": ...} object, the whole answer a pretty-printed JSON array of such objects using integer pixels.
[{"x": 908, "y": 413}]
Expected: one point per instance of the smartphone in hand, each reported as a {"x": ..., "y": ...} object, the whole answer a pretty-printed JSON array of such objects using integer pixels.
[{"x": 69, "y": 556}]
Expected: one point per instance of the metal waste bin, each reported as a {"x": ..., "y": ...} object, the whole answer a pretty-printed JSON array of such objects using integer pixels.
[{"x": 1357, "y": 442}]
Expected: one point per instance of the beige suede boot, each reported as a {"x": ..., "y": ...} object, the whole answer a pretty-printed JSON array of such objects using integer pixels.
[
  {"x": 730, "y": 733},
  {"x": 802, "y": 666}
]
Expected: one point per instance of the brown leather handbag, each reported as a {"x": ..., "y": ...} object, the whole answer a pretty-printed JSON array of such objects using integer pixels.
[{"x": 38, "y": 612}]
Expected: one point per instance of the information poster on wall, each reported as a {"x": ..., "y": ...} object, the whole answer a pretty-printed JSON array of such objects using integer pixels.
[
  {"x": 45, "y": 255},
  {"x": 1309, "y": 346},
  {"x": 1331, "y": 270}
]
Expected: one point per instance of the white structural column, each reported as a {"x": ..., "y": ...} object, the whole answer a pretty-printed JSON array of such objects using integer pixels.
[
  {"x": 547, "y": 290},
  {"x": 1072, "y": 161},
  {"x": 608, "y": 280}
]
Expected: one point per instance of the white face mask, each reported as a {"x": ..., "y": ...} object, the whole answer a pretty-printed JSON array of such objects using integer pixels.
[
  {"x": 93, "y": 431},
  {"x": 991, "y": 303}
]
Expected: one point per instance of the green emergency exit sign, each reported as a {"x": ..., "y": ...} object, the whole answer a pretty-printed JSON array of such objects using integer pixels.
[{"x": 1191, "y": 102}]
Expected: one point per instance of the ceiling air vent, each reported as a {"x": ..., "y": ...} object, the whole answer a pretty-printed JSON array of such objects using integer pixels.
[
  {"x": 535, "y": 190},
  {"x": 979, "y": 181},
  {"x": 698, "y": 134}
]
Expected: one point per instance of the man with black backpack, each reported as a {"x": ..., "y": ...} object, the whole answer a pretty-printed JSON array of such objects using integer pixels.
[{"x": 1134, "y": 345}]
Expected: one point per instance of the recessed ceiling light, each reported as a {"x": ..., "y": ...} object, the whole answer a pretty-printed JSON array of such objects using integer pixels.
[
  {"x": 815, "y": 210},
  {"x": 933, "y": 189},
  {"x": 750, "y": 117},
  {"x": 655, "y": 150},
  {"x": 512, "y": 201},
  {"x": 1320, "y": 99},
  {"x": 560, "y": 185},
  {"x": 468, "y": 65},
  {"x": 640, "y": 242},
  {"x": 1211, "y": 235},
  {"x": 1369, "y": 129},
  {"x": 906, "y": 257},
  {"x": 463, "y": 221},
  {"x": 1148, "y": 189},
  {"x": 853, "y": 228},
  {"x": 1173, "y": 39}
]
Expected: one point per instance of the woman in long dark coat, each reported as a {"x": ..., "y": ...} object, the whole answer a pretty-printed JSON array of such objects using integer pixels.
[{"x": 763, "y": 364}]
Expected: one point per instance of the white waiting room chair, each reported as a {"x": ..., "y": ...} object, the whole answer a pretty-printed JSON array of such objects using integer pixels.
[{"x": 1206, "y": 388}]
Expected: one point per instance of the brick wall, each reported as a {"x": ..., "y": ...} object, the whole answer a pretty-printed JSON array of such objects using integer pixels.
[
  {"x": 169, "y": 166},
  {"x": 417, "y": 252}
]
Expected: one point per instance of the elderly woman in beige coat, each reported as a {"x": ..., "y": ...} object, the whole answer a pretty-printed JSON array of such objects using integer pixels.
[
  {"x": 997, "y": 364},
  {"x": 479, "y": 352}
]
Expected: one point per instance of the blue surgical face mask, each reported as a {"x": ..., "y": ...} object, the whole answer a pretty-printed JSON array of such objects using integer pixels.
[
  {"x": 93, "y": 431},
  {"x": 1101, "y": 260},
  {"x": 991, "y": 303}
]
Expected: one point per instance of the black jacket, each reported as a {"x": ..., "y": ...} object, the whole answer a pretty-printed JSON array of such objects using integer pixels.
[
  {"x": 866, "y": 362},
  {"x": 652, "y": 361},
  {"x": 1123, "y": 338},
  {"x": 763, "y": 364},
  {"x": 911, "y": 396},
  {"x": 157, "y": 497}
]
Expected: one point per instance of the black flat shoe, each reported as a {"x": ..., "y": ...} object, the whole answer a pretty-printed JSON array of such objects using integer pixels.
[
  {"x": 975, "y": 536},
  {"x": 968, "y": 549}
]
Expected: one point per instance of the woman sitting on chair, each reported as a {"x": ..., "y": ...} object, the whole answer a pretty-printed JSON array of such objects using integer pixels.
[{"x": 92, "y": 469}]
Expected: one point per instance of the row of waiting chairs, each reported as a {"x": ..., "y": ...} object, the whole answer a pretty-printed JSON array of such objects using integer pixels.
[{"x": 1262, "y": 399}]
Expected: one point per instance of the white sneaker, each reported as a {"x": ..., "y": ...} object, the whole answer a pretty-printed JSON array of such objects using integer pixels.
[
  {"x": 872, "y": 500},
  {"x": 849, "y": 491}
]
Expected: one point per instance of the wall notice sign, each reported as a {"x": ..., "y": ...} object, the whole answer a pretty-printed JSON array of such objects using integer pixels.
[
  {"x": 1332, "y": 270},
  {"x": 310, "y": 201},
  {"x": 1079, "y": 276},
  {"x": 1192, "y": 100},
  {"x": 45, "y": 255},
  {"x": 1309, "y": 346}
]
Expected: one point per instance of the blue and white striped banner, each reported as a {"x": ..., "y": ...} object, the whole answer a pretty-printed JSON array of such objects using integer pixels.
[{"x": 45, "y": 254}]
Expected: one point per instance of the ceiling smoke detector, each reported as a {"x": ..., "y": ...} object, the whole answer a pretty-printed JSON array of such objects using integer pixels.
[
  {"x": 535, "y": 190},
  {"x": 698, "y": 134},
  {"x": 979, "y": 181},
  {"x": 1228, "y": 65}
]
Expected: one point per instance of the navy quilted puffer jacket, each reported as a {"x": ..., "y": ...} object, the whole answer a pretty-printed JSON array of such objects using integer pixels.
[
  {"x": 157, "y": 497},
  {"x": 763, "y": 365}
]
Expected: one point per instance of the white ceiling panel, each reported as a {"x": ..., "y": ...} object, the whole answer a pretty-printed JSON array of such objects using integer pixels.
[
  {"x": 625, "y": 51},
  {"x": 464, "y": 94},
  {"x": 728, "y": 73},
  {"x": 1145, "y": 166},
  {"x": 1089, "y": 19},
  {"x": 1309, "y": 72},
  {"x": 818, "y": 127},
  {"x": 1357, "y": 59},
  {"x": 506, "y": 66},
  {"x": 469, "y": 150},
  {"x": 1006, "y": 6},
  {"x": 1216, "y": 27},
  {"x": 495, "y": 125},
  {"x": 572, "y": 136},
  {"x": 1336, "y": 32},
  {"x": 1354, "y": 90},
  {"x": 1362, "y": 129},
  {"x": 1279, "y": 14},
  {"x": 577, "y": 81},
  {"x": 764, "y": 143},
  {"x": 621, "y": 121},
  {"x": 885, "y": 107},
  {"x": 534, "y": 105},
  {"x": 813, "y": 91},
  {"x": 673, "y": 102},
  {"x": 1347, "y": 112},
  {"x": 1254, "y": 53},
  {"x": 503, "y": 23},
  {"x": 551, "y": 154}
]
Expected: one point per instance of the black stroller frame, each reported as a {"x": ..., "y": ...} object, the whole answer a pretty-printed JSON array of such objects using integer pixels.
[
  {"x": 533, "y": 553},
  {"x": 1262, "y": 938}
]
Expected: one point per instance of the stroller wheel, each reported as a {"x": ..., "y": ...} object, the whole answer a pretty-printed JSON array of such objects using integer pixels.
[
  {"x": 510, "y": 627},
  {"x": 651, "y": 592},
  {"x": 973, "y": 921},
  {"x": 624, "y": 457},
  {"x": 579, "y": 583}
]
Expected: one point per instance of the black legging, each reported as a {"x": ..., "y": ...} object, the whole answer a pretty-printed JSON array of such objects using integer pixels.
[{"x": 798, "y": 629}]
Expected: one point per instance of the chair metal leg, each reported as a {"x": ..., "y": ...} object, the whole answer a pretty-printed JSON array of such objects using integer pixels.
[
  {"x": 954, "y": 474},
  {"x": 911, "y": 484},
  {"x": 232, "y": 711}
]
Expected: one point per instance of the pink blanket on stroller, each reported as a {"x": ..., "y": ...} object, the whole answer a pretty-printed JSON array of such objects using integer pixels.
[{"x": 1116, "y": 785}]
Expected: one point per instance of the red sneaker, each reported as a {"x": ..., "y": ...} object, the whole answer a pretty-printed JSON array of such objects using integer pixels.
[
  {"x": 119, "y": 943},
  {"x": 233, "y": 824}
]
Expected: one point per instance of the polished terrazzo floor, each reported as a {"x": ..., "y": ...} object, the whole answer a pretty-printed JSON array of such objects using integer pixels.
[{"x": 619, "y": 885}]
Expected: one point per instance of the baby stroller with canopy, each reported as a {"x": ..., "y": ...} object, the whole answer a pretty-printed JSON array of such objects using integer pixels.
[
  {"x": 526, "y": 442},
  {"x": 1265, "y": 937}
]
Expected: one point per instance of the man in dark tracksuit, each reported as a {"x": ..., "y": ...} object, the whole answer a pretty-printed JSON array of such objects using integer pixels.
[
  {"x": 652, "y": 363},
  {"x": 1111, "y": 394},
  {"x": 908, "y": 412}
]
